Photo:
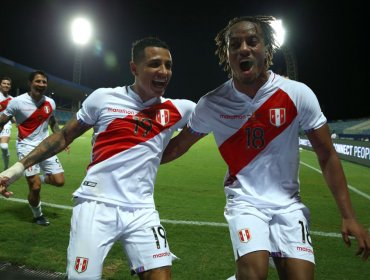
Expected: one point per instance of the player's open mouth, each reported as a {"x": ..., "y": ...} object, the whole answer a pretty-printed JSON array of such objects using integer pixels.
[
  {"x": 246, "y": 65},
  {"x": 159, "y": 83}
]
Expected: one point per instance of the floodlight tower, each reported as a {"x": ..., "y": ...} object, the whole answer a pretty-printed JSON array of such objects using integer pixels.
[
  {"x": 289, "y": 57},
  {"x": 81, "y": 34}
]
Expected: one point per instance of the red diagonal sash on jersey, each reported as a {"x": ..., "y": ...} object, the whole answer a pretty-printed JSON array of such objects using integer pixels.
[
  {"x": 38, "y": 117},
  {"x": 123, "y": 134},
  {"x": 266, "y": 123},
  {"x": 4, "y": 104}
]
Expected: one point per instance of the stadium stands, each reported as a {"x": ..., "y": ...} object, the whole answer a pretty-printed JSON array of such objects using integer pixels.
[
  {"x": 357, "y": 129},
  {"x": 63, "y": 116}
]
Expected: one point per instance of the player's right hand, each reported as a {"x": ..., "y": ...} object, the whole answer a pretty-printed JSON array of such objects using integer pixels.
[
  {"x": 4, "y": 189},
  {"x": 9, "y": 176}
]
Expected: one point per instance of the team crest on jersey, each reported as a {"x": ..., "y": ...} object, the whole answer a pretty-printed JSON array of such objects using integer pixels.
[
  {"x": 163, "y": 116},
  {"x": 81, "y": 264},
  {"x": 47, "y": 109},
  {"x": 277, "y": 116},
  {"x": 244, "y": 235}
]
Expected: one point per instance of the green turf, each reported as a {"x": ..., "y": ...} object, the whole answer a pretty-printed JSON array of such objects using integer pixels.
[{"x": 188, "y": 189}]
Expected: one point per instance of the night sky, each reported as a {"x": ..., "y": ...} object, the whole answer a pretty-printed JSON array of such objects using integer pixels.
[{"x": 329, "y": 41}]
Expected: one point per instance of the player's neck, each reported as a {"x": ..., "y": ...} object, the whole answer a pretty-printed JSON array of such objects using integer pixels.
[
  {"x": 35, "y": 96},
  {"x": 251, "y": 88}
]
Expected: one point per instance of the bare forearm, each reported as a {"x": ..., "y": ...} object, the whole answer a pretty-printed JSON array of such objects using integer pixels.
[
  {"x": 179, "y": 145},
  {"x": 54, "y": 125},
  {"x": 336, "y": 180},
  {"x": 52, "y": 145},
  {"x": 172, "y": 152},
  {"x": 332, "y": 169}
]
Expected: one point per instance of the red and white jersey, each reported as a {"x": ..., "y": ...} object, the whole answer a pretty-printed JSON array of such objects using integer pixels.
[
  {"x": 128, "y": 141},
  {"x": 258, "y": 138},
  {"x": 4, "y": 101},
  {"x": 32, "y": 117}
]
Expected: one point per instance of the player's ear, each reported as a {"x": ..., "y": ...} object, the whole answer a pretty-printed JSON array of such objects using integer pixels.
[{"x": 133, "y": 68}]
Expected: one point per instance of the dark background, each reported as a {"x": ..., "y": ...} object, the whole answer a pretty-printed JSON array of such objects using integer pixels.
[{"x": 329, "y": 40}]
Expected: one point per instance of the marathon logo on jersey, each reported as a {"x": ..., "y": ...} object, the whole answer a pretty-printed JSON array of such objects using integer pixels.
[
  {"x": 163, "y": 116},
  {"x": 277, "y": 116},
  {"x": 81, "y": 264},
  {"x": 244, "y": 235}
]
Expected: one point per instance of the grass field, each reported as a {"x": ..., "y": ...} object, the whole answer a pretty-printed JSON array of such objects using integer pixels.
[{"x": 189, "y": 196}]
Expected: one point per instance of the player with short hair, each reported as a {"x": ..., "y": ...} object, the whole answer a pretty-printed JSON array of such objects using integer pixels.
[
  {"x": 255, "y": 118},
  {"x": 131, "y": 127},
  {"x": 34, "y": 112}
]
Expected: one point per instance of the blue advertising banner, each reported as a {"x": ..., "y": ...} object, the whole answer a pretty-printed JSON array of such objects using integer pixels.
[{"x": 355, "y": 151}]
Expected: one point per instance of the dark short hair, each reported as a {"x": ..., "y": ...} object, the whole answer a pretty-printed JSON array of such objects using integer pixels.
[
  {"x": 138, "y": 47},
  {"x": 37, "y": 72},
  {"x": 6, "y": 78}
]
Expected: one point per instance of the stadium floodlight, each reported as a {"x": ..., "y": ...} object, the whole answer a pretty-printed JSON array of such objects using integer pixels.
[
  {"x": 277, "y": 25},
  {"x": 290, "y": 60},
  {"x": 81, "y": 31},
  {"x": 81, "y": 34}
]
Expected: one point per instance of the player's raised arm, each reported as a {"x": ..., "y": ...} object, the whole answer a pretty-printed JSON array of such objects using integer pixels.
[{"x": 52, "y": 145}]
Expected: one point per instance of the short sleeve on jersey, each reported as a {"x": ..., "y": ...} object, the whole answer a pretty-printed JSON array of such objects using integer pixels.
[
  {"x": 90, "y": 109},
  {"x": 186, "y": 107},
  {"x": 198, "y": 119},
  {"x": 9, "y": 110},
  {"x": 310, "y": 115}
]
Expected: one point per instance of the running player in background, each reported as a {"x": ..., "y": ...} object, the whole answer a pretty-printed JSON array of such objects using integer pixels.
[
  {"x": 255, "y": 118},
  {"x": 33, "y": 112},
  {"x": 5, "y": 97},
  {"x": 132, "y": 126}
]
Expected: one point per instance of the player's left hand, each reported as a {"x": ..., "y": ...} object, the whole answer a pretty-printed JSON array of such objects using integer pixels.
[{"x": 351, "y": 227}]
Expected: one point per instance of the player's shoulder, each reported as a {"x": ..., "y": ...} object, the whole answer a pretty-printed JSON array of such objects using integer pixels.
[
  {"x": 218, "y": 95},
  {"x": 183, "y": 105},
  {"x": 219, "y": 91},
  {"x": 50, "y": 99},
  {"x": 291, "y": 86},
  {"x": 107, "y": 91},
  {"x": 20, "y": 97},
  {"x": 179, "y": 101}
]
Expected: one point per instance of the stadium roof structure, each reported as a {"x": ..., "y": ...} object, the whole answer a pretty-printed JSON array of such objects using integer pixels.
[{"x": 59, "y": 87}]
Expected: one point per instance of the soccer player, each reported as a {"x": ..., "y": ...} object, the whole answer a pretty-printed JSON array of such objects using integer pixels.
[
  {"x": 132, "y": 125},
  {"x": 33, "y": 112},
  {"x": 5, "y": 97},
  {"x": 255, "y": 118}
]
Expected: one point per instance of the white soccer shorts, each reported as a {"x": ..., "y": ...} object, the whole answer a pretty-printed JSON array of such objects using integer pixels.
[
  {"x": 7, "y": 130},
  {"x": 96, "y": 226},
  {"x": 51, "y": 165},
  {"x": 284, "y": 235}
]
